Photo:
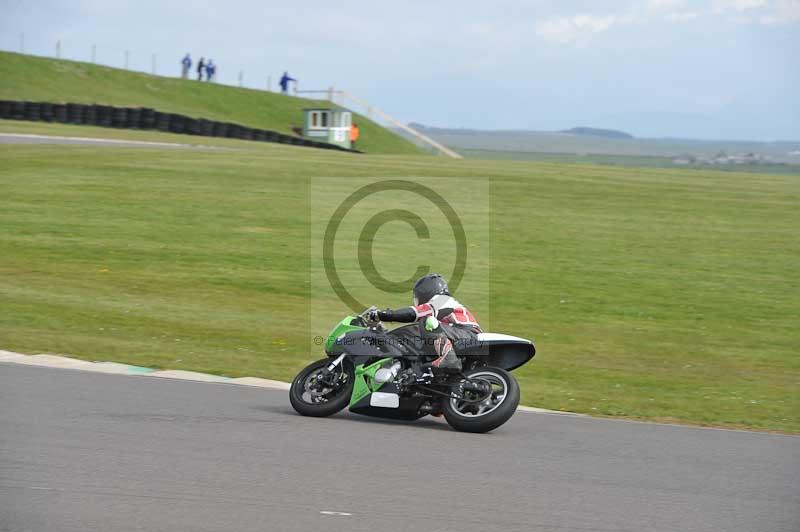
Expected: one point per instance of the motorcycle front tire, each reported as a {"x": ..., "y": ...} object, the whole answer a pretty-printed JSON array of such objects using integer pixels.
[{"x": 328, "y": 408}]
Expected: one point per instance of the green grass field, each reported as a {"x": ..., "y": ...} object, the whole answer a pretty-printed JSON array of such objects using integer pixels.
[
  {"x": 651, "y": 293},
  {"x": 638, "y": 161},
  {"x": 26, "y": 77}
]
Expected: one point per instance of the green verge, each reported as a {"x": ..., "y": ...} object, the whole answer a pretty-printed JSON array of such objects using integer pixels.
[
  {"x": 27, "y": 77},
  {"x": 639, "y": 161},
  {"x": 652, "y": 294}
]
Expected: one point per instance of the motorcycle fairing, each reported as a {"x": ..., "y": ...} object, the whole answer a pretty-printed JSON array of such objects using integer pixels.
[
  {"x": 333, "y": 344},
  {"x": 409, "y": 407},
  {"x": 503, "y": 350},
  {"x": 364, "y": 383},
  {"x": 499, "y": 350},
  {"x": 364, "y": 386}
]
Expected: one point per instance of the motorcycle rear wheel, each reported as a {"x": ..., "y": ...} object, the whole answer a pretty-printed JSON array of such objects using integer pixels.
[
  {"x": 490, "y": 414},
  {"x": 322, "y": 404}
]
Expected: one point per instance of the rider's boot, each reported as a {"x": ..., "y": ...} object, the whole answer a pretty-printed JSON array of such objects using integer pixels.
[
  {"x": 417, "y": 374},
  {"x": 447, "y": 359}
]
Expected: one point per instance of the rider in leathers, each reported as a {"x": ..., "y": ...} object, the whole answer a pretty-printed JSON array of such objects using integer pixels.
[{"x": 446, "y": 325}]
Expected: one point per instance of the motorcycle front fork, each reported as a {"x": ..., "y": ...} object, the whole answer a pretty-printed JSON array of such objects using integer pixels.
[
  {"x": 335, "y": 362},
  {"x": 327, "y": 375}
]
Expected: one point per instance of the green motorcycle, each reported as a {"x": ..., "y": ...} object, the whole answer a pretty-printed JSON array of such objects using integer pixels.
[{"x": 379, "y": 372}]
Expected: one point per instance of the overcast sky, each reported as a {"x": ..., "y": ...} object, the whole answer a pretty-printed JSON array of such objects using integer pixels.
[{"x": 688, "y": 68}]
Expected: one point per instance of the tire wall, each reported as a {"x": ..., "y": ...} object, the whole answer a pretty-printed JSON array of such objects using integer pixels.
[{"x": 148, "y": 119}]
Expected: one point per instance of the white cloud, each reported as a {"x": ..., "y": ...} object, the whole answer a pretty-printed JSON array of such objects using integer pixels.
[
  {"x": 721, "y": 6},
  {"x": 767, "y": 12},
  {"x": 665, "y": 5},
  {"x": 785, "y": 12},
  {"x": 579, "y": 28},
  {"x": 569, "y": 29},
  {"x": 672, "y": 10},
  {"x": 681, "y": 17},
  {"x": 734, "y": 11}
]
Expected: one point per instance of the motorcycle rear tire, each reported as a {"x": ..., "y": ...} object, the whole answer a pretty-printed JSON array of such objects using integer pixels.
[{"x": 493, "y": 419}]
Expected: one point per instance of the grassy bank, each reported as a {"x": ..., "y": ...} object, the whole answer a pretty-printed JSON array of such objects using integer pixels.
[
  {"x": 26, "y": 77},
  {"x": 656, "y": 294}
]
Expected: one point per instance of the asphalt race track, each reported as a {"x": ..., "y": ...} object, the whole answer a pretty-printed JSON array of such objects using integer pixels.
[{"x": 85, "y": 451}]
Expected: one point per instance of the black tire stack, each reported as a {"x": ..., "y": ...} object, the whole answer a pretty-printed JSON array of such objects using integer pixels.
[
  {"x": 5, "y": 109},
  {"x": 233, "y": 131},
  {"x": 162, "y": 121},
  {"x": 148, "y": 118},
  {"x": 220, "y": 129},
  {"x": 75, "y": 113},
  {"x": 89, "y": 114},
  {"x": 104, "y": 113},
  {"x": 46, "y": 112},
  {"x": 134, "y": 118},
  {"x": 177, "y": 123},
  {"x": 60, "y": 113},
  {"x": 31, "y": 111},
  {"x": 119, "y": 116},
  {"x": 145, "y": 118},
  {"x": 17, "y": 110}
]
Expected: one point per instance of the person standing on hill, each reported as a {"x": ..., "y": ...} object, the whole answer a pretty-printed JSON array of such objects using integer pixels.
[
  {"x": 285, "y": 79},
  {"x": 186, "y": 64},
  {"x": 354, "y": 134},
  {"x": 200, "y": 67},
  {"x": 211, "y": 70}
]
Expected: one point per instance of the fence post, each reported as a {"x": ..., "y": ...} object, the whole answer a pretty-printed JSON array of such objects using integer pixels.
[
  {"x": 22, "y": 43},
  {"x": 153, "y": 63},
  {"x": 127, "y": 59},
  {"x": 295, "y": 87},
  {"x": 58, "y": 49},
  {"x": 94, "y": 53},
  {"x": 241, "y": 78},
  {"x": 330, "y": 93}
]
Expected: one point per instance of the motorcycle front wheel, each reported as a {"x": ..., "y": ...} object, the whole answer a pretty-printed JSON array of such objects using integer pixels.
[
  {"x": 311, "y": 395},
  {"x": 469, "y": 416}
]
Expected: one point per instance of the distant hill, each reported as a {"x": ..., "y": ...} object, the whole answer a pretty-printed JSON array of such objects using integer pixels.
[
  {"x": 517, "y": 143},
  {"x": 597, "y": 132},
  {"x": 27, "y": 77},
  {"x": 588, "y": 131}
]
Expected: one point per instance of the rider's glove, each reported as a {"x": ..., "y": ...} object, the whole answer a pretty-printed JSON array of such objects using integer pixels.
[{"x": 374, "y": 315}]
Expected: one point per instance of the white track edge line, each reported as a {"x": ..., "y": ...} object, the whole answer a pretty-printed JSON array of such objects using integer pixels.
[
  {"x": 62, "y": 362},
  {"x": 93, "y": 139},
  {"x": 124, "y": 142}
]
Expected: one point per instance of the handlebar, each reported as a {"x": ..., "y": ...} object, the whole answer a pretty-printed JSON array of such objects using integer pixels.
[
  {"x": 366, "y": 312},
  {"x": 365, "y": 316}
]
